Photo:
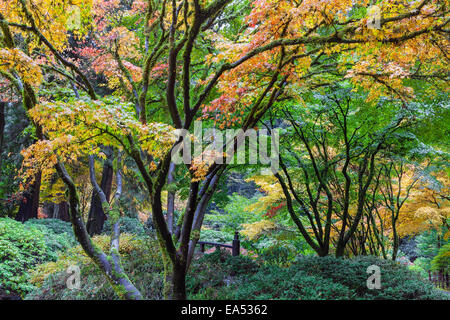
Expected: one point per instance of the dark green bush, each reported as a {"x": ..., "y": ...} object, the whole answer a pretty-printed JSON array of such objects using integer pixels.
[
  {"x": 397, "y": 282},
  {"x": 21, "y": 248},
  {"x": 277, "y": 254},
  {"x": 274, "y": 282},
  {"x": 58, "y": 235},
  {"x": 127, "y": 225},
  {"x": 309, "y": 278},
  {"x": 56, "y": 226},
  {"x": 216, "y": 236},
  {"x": 212, "y": 275}
]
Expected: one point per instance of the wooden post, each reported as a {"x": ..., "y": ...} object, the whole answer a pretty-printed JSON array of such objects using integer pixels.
[
  {"x": 202, "y": 247},
  {"x": 236, "y": 245}
]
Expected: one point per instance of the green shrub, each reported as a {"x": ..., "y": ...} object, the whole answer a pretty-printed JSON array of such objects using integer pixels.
[
  {"x": 278, "y": 252},
  {"x": 419, "y": 270},
  {"x": 212, "y": 275},
  {"x": 127, "y": 225},
  {"x": 274, "y": 282},
  {"x": 428, "y": 249},
  {"x": 56, "y": 226},
  {"x": 397, "y": 282},
  {"x": 58, "y": 235},
  {"x": 220, "y": 276},
  {"x": 140, "y": 257},
  {"x": 233, "y": 215},
  {"x": 216, "y": 236},
  {"x": 21, "y": 248},
  {"x": 441, "y": 262},
  {"x": 423, "y": 263},
  {"x": 427, "y": 244}
]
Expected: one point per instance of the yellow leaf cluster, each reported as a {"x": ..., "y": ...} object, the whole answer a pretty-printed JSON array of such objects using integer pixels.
[
  {"x": 272, "y": 190},
  {"x": 52, "y": 18},
  {"x": 78, "y": 128},
  {"x": 254, "y": 230},
  {"x": 16, "y": 60}
]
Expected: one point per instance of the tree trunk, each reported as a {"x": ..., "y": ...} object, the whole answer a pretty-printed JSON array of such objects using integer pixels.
[
  {"x": 97, "y": 217},
  {"x": 200, "y": 214},
  {"x": 170, "y": 198},
  {"x": 179, "y": 281},
  {"x": 395, "y": 245},
  {"x": 323, "y": 252},
  {"x": 55, "y": 211},
  {"x": 396, "y": 240},
  {"x": 2, "y": 130},
  {"x": 29, "y": 205},
  {"x": 63, "y": 211},
  {"x": 109, "y": 265},
  {"x": 340, "y": 250}
]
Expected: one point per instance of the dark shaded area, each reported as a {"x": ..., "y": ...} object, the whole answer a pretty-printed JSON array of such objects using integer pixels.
[
  {"x": 408, "y": 246},
  {"x": 97, "y": 217},
  {"x": 29, "y": 203},
  {"x": 14, "y": 137}
]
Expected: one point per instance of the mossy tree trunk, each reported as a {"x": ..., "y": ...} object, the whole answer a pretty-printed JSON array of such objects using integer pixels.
[
  {"x": 2, "y": 129},
  {"x": 97, "y": 217}
]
